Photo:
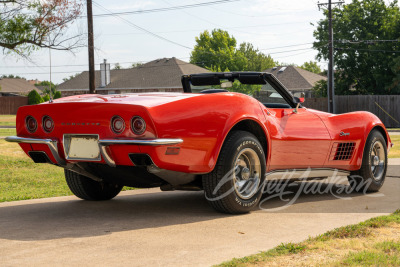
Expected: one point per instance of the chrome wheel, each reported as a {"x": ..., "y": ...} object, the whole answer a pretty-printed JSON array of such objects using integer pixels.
[
  {"x": 247, "y": 173},
  {"x": 377, "y": 160}
]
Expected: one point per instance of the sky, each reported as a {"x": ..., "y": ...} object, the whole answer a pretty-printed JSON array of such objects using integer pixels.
[{"x": 279, "y": 28}]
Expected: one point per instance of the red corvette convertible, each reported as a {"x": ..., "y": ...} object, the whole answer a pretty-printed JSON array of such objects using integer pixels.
[{"x": 227, "y": 144}]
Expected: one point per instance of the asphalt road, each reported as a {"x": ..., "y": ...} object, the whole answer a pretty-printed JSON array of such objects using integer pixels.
[{"x": 152, "y": 228}]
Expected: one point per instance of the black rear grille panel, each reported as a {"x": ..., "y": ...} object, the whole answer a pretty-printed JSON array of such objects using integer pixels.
[
  {"x": 39, "y": 157},
  {"x": 342, "y": 151}
]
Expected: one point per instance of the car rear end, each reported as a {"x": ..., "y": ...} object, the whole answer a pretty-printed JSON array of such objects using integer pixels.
[{"x": 72, "y": 132}]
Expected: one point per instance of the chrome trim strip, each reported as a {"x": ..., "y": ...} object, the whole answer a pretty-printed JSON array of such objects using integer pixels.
[
  {"x": 107, "y": 158},
  {"x": 103, "y": 144},
  {"x": 144, "y": 142},
  {"x": 300, "y": 173},
  {"x": 52, "y": 144}
]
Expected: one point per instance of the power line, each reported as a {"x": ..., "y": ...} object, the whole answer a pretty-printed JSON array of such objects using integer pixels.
[
  {"x": 368, "y": 50},
  {"x": 292, "y": 55},
  {"x": 223, "y": 27},
  {"x": 163, "y": 9},
  {"x": 140, "y": 67},
  {"x": 286, "y": 51},
  {"x": 143, "y": 29},
  {"x": 366, "y": 41},
  {"x": 210, "y": 22},
  {"x": 145, "y": 61}
]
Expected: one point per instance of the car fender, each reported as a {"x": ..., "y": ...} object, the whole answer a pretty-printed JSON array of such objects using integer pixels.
[{"x": 353, "y": 126}]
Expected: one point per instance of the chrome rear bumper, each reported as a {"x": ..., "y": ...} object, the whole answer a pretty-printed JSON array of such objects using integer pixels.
[{"x": 103, "y": 144}]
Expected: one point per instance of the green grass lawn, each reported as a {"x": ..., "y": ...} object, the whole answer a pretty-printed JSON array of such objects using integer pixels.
[
  {"x": 21, "y": 178},
  {"x": 7, "y": 132},
  {"x": 395, "y": 150},
  {"x": 7, "y": 120},
  {"x": 375, "y": 242}
]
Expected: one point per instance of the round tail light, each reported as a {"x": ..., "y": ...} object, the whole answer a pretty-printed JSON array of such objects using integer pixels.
[
  {"x": 117, "y": 124},
  {"x": 138, "y": 125},
  {"x": 31, "y": 124},
  {"x": 48, "y": 124}
]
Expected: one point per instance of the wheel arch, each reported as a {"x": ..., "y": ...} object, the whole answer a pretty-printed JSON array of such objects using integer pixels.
[
  {"x": 252, "y": 126},
  {"x": 382, "y": 131},
  {"x": 379, "y": 128}
]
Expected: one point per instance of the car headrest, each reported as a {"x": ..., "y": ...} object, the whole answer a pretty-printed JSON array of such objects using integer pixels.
[{"x": 211, "y": 91}]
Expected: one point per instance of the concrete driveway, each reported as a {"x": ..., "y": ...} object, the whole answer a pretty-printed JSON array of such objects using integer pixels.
[{"x": 152, "y": 228}]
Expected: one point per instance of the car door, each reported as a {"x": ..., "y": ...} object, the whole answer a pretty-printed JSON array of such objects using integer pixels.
[{"x": 299, "y": 139}]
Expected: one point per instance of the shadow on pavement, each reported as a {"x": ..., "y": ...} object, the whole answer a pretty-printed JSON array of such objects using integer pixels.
[{"x": 77, "y": 218}]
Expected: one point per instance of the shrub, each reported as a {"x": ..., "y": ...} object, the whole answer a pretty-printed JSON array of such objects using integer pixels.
[
  {"x": 34, "y": 98},
  {"x": 57, "y": 95},
  {"x": 46, "y": 98}
]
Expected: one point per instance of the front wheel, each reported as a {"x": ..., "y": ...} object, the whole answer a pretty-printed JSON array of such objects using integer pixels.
[
  {"x": 88, "y": 189},
  {"x": 235, "y": 184},
  {"x": 371, "y": 176}
]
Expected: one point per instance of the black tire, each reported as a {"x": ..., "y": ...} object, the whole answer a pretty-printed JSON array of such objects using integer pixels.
[
  {"x": 370, "y": 177},
  {"x": 89, "y": 189},
  {"x": 219, "y": 188}
]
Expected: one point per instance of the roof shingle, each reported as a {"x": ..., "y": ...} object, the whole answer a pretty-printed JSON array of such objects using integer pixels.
[
  {"x": 295, "y": 78},
  {"x": 17, "y": 86},
  {"x": 160, "y": 73}
]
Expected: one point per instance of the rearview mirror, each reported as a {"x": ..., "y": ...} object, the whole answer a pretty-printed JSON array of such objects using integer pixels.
[{"x": 300, "y": 99}]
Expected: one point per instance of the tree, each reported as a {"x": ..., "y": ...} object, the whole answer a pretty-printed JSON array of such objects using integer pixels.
[
  {"x": 362, "y": 51},
  {"x": 217, "y": 51},
  {"x": 311, "y": 66},
  {"x": 57, "y": 95},
  {"x": 70, "y": 77},
  {"x": 255, "y": 60},
  {"x": 34, "y": 98},
  {"x": 46, "y": 85},
  {"x": 27, "y": 25},
  {"x": 394, "y": 88},
  {"x": 46, "y": 98},
  {"x": 248, "y": 89},
  {"x": 135, "y": 65},
  {"x": 320, "y": 89},
  {"x": 117, "y": 66},
  {"x": 11, "y": 76}
]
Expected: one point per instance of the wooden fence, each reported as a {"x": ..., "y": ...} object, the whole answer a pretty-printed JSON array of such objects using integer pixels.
[
  {"x": 10, "y": 104},
  {"x": 386, "y": 107}
]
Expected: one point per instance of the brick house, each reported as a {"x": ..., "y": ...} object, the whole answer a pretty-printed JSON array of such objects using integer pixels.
[
  {"x": 161, "y": 75},
  {"x": 295, "y": 79},
  {"x": 15, "y": 87}
]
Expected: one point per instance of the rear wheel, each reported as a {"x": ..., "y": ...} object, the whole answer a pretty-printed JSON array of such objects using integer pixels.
[
  {"x": 88, "y": 189},
  {"x": 235, "y": 184},
  {"x": 371, "y": 176}
]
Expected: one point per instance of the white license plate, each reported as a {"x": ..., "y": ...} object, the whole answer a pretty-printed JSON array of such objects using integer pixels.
[{"x": 82, "y": 147}]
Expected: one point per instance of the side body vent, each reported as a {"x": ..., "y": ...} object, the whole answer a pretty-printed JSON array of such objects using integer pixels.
[{"x": 342, "y": 151}]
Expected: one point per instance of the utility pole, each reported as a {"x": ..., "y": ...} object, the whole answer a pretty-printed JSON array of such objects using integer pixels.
[
  {"x": 92, "y": 85},
  {"x": 50, "y": 93},
  {"x": 331, "y": 84}
]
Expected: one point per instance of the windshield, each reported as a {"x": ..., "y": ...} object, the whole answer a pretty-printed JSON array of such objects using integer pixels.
[
  {"x": 235, "y": 86},
  {"x": 265, "y": 93}
]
